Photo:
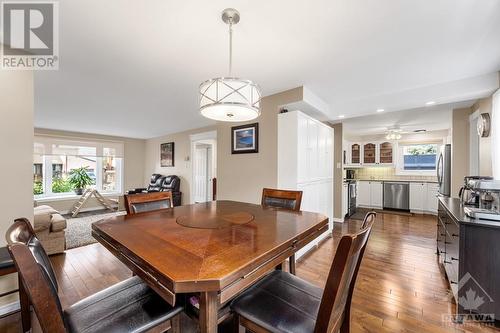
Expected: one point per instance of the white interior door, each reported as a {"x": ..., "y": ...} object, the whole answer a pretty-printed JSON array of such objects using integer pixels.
[{"x": 201, "y": 174}]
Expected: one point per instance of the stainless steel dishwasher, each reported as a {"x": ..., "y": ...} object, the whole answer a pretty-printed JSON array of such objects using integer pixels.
[{"x": 397, "y": 195}]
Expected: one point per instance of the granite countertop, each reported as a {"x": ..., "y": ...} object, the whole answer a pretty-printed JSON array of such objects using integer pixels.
[
  {"x": 455, "y": 208},
  {"x": 394, "y": 180}
]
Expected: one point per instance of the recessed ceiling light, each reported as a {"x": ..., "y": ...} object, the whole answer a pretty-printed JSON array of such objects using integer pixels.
[
  {"x": 380, "y": 110},
  {"x": 341, "y": 116},
  {"x": 430, "y": 103}
]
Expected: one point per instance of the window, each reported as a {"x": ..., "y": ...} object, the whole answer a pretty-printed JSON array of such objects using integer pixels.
[
  {"x": 55, "y": 158},
  {"x": 417, "y": 158}
]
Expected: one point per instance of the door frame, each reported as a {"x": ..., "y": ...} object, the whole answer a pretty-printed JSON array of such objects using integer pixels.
[{"x": 210, "y": 138}]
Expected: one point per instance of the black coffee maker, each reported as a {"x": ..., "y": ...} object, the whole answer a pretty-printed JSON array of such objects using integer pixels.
[{"x": 350, "y": 174}]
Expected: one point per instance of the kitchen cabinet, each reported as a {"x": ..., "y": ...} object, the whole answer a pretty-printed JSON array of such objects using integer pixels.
[
  {"x": 417, "y": 197},
  {"x": 468, "y": 249},
  {"x": 305, "y": 163},
  {"x": 370, "y": 194},
  {"x": 368, "y": 153},
  {"x": 355, "y": 153},
  {"x": 345, "y": 199},
  {"x": 423, "y": 197},
  {"x": 432, "y": 198},
  {"x": 385, "y": 153}
]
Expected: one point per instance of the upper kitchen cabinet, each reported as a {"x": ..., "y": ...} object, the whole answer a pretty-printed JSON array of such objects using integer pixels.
[
  {"x": 369, "y": 153},
  {"x": 386, "y": 153},
  {"x": 355, "y": 149}
]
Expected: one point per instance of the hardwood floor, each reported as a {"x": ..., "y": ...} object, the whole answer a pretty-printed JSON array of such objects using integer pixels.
[{"x": 400, "y": 286}]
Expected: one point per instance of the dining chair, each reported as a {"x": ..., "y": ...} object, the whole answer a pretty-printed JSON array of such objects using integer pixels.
[
  {"x": 282, "y": 302},
  {"x": 285, "y": 199},
  {"x": 146, "y": 202},
  {"x": 128, "y": 306}
]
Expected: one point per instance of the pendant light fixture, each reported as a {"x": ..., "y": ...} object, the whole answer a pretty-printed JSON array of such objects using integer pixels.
[{"x": 230, "y": 98}]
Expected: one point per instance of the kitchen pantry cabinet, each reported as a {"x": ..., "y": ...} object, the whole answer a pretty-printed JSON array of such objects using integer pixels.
[
  {"x": 305, "y": 163},
  {"x": 369, "y": 153},
  {"x": 423, "y": 197},
  {"x": 370, "y": 194}
]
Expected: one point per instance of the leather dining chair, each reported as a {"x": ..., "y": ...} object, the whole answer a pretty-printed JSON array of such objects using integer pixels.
[
  {"x": 285, "y": 199},
  {"x": 128, "y": 306},
  {"x": 146, "y": 202},
  {"x": 282, "y": 302}
]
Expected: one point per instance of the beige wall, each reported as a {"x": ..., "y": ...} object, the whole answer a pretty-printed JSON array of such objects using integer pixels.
[
  {"x": 485, "y": 162},
  {"x": 241, "y": 177},
  {"x": 337, "y": 170},
  {"x": 459, "y": 148},
  {"x": 182, "y": 167},
  {"x": 16, "y": 145},
  {"x": 133, "y": 164}
]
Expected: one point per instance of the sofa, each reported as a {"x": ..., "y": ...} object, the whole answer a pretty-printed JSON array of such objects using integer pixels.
[
  {"x": 49, "y": 227},
  {"x": 160, "y": 183}
]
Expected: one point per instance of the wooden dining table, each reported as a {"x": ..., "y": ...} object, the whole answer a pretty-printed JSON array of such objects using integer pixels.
[{"x": 214, "y": 250}]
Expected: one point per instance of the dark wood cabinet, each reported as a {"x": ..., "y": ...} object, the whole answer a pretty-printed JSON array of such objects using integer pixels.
[
  {"x": 355, "y": 153},
  {"x": 385, "y": 154},
  {"x": 470, "y": 253},
  {"x": 369, "y": 153}
]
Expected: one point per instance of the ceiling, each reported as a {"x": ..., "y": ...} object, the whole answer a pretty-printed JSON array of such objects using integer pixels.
[
  {"x": 435, "y": 118},
  {"x": 132, "y": 68}
]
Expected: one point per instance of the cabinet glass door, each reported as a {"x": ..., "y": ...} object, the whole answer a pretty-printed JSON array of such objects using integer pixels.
[
  {"x": 355, "y": 153},
  {"x": 369, "y": 153},
  {"x": 386, "y": 153}
]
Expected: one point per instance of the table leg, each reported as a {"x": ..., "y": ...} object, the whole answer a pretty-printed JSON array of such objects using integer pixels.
[
  {"x": 209, "y": 307},
  {"x": 25, "y": 306},
  {"x": 292, "y": 264}
]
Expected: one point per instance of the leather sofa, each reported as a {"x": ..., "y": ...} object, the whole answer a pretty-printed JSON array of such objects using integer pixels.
[
  {"x": 172, "y": 184},
  {"x": 160, "y": 183},
  {"x": 49, "y": 227}
]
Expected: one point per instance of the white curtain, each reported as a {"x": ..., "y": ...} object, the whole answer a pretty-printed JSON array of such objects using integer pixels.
[{"x": 495, "y": 134}]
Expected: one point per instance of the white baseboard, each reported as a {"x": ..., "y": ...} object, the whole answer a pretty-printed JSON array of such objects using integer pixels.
[{"x": 336, "y": 219}]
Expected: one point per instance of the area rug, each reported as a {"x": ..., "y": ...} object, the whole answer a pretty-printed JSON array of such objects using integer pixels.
[{"x": 79, "y": 229}]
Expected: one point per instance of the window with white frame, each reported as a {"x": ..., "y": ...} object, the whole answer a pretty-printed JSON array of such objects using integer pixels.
[
  {"x": 55, "y": 159},
  {"x": 417, "y": 158}
]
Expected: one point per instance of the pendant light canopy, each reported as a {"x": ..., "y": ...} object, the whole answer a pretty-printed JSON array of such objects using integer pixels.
[{"x": 230, "y": 98}]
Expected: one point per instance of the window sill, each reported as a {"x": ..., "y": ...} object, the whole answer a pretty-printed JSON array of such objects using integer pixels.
[{"x": 71, "y": 197}]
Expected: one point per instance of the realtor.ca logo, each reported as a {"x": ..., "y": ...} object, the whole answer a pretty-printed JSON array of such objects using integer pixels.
[
  {"x": 30, "y": 38},
  {"x": 473, "y": 300}
]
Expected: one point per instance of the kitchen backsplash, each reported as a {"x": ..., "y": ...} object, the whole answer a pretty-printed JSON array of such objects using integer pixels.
[{"x": 387, "y": 173}]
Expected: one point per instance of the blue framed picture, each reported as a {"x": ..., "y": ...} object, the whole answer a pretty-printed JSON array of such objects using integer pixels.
[{"x": 245, "y": 139}]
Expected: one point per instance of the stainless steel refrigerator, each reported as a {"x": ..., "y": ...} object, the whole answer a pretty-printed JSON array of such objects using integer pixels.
[{"x": 444, "y": 170}]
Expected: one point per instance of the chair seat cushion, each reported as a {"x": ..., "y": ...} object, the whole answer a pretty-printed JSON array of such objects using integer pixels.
[
  {"x": 129, "y": 306},
  {"x": 281, "y": 302}
]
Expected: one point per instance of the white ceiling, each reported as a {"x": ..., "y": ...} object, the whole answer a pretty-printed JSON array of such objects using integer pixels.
[
  {"x": 132, "y": 68},
  {"x": 435, "y": 118}
]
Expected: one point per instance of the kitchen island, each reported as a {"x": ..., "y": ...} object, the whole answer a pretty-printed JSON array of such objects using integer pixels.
[{"x": 469, "y": 250}]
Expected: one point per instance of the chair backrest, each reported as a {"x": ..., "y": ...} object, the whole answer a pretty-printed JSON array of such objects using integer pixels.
[
  {"x": 155, "y": 182},
  {"x": 290, "y": 200},
  {"x": 40, "y": 290},
  {"x": 369, "y": 218},
  {"x": 334, "y": 310},
  {"x": 21, "y": 232},
  {"x": 171, "y": 183},
  {"x": 146, "y": 202}
]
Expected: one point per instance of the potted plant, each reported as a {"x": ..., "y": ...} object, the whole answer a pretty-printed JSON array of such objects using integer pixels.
[{"x": 80, "y": 179}]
